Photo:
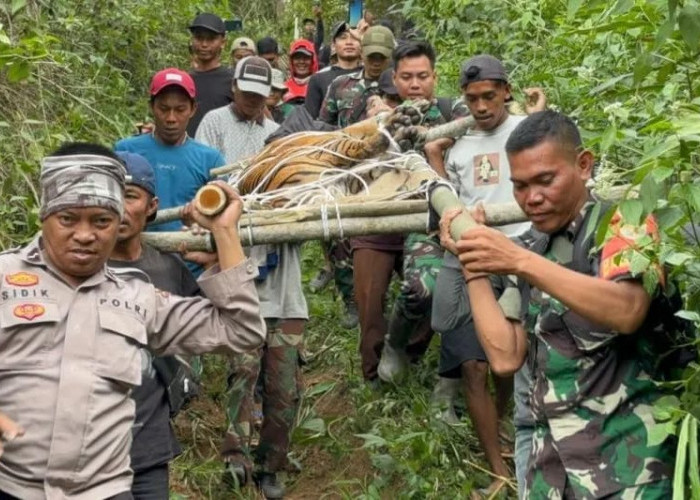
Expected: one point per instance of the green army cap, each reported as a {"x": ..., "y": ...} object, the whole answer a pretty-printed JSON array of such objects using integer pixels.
[{"x": 378, "y": 40}]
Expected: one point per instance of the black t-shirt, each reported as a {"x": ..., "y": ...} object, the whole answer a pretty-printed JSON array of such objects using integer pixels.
[
  {"x": 213, "y": 91},
  {"x": 154, "y": 441},
  {"x": 318, "y": 86}
]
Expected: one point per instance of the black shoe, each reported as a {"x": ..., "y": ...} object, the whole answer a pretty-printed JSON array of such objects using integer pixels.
[
  {"x": 350, "y": 319},
  {"x": 271, "y": 486},
  {"x": 238, "y": 471}
]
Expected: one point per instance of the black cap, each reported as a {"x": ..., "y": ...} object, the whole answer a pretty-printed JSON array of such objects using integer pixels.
[
  {"x": 210, "y": 22},
  {"x": 339, "y": 29},
  {"x": 386, "y": 82},
  {"x": 308, "y": 20},
  {"x": 268, "y": 45},
  {"x": 480, "y": 68}
]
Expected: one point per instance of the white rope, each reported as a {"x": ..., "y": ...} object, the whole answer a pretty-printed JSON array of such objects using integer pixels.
[
  {"x": 394, "y": 147},
  {"x": 250, "y": 229},
  {"x": 341, "y": 234},
  {"x": 324, "y": 222}
]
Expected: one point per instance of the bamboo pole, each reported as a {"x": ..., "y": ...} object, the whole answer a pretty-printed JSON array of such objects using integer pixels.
[
  {"x": 329, "y": 228},
  {"x": 300, "y": 214},
  {"x": 453, "y": 129}
]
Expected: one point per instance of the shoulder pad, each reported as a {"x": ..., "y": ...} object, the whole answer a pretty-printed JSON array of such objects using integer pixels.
[
  {"x": 11, "y": 250},
  {"x": 130, "y": 273}
]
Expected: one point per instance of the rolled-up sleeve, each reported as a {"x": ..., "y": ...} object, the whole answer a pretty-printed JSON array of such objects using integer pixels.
[{"x": 226, "y": 320}]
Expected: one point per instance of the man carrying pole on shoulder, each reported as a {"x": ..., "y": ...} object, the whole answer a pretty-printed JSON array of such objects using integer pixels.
[{"x": 579, "y": 318}]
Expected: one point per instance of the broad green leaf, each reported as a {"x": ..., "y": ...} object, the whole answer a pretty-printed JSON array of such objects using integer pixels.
[
  {"x": 608, "y": 84},
  {"x": 315, "y": 425},
  {"x": 651, "y": 280},
  {"x": 372, "y": 440},
  {"x": 664, "y": 31},
  {"x": 319, "y": 389},
  {"x": 638, "y": 263},
  {"x": 672, "y": 5},
  {"x": 409, "y": 437},
  {"x": 662, "y": 173},
  {"x": 17, "y": 5},
  {"x": 18, "y": 71},
  {"x": 602, "y": 231},
  {"x": 608, "y": 137},
  {"x": 649, "y": 193},
  {"x": 643, "y": 67},
  {"x": 622, "y": 6},
  {"x": 572, "y": 8},
  {"x": 689, "y": 315},
  {"x": 693, "y": 465},
  {"x": 678, "y": 258},
  {"x": 689, "y": 25},
  {"x": 592, "y": 220},
  {"x": 694, "y": 196},
  {"x": 631, "y": 211},
  {"x": 681, "y": 455}
]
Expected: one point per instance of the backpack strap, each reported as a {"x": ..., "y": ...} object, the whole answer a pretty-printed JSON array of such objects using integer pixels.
[{"x": 445, "y": 106}]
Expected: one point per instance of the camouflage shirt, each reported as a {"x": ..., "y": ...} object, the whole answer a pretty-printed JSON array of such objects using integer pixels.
[
  {"x": 591, "y": 394},
  {"x": 346, "y": 103},
  {"x": 346, "y": 100},
  {"x": 434, "y": 116}
]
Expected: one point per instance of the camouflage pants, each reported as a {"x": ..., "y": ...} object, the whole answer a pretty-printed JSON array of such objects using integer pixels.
[
  {"x": 340, "y": 258},
  {"x": 422, "y": 260},
  {"x": 278, "y": 365},
  {"x": 547, "y": 478}
]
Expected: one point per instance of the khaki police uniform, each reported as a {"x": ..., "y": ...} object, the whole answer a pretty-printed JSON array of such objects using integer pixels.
[{"x": 70, "y": 356}]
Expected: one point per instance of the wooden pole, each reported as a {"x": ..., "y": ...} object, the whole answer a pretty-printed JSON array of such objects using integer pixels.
[
  {"x": 330, "y": 228},
  {"x": 353, "y": 209}
]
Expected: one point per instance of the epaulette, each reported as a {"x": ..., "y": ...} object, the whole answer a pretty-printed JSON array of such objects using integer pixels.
[
  {"x": 129, "y": 273},
  {"x": 11, "y": 250}
]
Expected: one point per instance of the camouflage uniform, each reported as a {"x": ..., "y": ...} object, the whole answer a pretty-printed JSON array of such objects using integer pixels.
[
  {"x": 421, "y": 264},
  {"x": 278, "y": 361},
  {"x": 592, "y": 391},
  {"x": 340, "y": 256},
  {"x": 346, "y": 100},
  {"x": 345, "y": 103}
]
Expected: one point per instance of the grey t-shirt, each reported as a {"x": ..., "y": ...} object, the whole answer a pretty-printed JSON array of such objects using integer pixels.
[
  {"x": 281, "y": 293},
  {"x": 478, "y": 168}
]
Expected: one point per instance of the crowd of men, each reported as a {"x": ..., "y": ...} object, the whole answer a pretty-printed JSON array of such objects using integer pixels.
[{"x": 94, "y": 323}]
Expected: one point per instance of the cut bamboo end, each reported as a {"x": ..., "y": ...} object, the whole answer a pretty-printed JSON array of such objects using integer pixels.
[{"x": 210, "y": 200}]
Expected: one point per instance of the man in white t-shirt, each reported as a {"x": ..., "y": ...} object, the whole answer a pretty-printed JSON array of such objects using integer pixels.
[{"x": 478, "y": 168}]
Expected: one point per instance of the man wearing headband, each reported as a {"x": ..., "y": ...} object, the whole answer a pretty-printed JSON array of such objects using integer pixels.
[{"x": 72, "y": 330}]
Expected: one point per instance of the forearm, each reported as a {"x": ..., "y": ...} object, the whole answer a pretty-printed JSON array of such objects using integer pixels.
[
  {"x": 504, "y": 344},
  {"x": 228, "y": 247},
  {"x": 620, "y": 306},
  {"x": 227, "y": 320},
  {"x": 437, "y": 161}
]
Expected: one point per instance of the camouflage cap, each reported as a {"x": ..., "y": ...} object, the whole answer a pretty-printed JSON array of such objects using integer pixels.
[
  {"x": 77, "y": 181},
  {"x": 378, "y": 40}
]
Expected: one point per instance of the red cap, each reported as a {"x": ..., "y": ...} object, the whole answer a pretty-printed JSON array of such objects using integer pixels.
[{"x": 173, "y": 76}]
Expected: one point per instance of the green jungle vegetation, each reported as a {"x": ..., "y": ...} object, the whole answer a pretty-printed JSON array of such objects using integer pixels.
[{"x": 627, "y": 70}]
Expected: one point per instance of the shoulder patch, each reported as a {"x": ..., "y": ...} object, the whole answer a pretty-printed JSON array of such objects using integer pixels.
[
  {"x": 28, "y": 311},
  {"x": 22, "y": 278}
]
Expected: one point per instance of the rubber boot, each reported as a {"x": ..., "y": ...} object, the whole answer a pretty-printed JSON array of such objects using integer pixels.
[
  {"x": 271, "y": 486},
  {"x": 444, "y": 395}
]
